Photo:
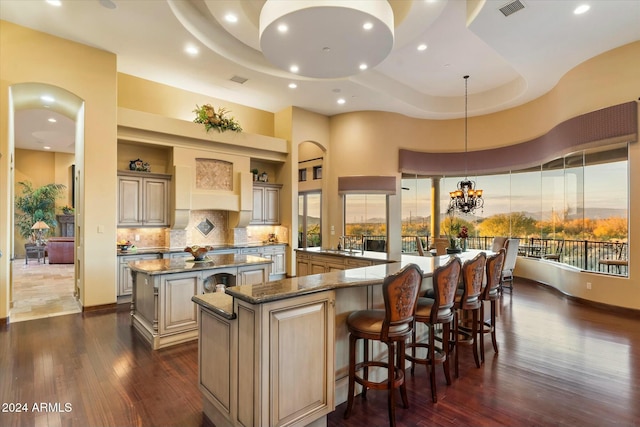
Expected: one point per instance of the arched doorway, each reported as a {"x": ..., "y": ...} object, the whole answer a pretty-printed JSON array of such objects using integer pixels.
[
  {"x": 311, "y": 162},
  {"x": 45, "y": 133}
]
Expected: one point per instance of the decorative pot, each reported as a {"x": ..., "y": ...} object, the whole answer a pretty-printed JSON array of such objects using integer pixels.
[{"x": 199, "y": 252}]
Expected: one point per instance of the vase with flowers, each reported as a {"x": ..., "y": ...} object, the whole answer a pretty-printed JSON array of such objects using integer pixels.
[
  {"x": 462, "y": 236},
  {"x": 453, "y": 230}
]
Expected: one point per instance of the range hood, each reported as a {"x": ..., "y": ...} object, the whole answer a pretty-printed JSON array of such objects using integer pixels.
[{"x": 238, "y": 202}]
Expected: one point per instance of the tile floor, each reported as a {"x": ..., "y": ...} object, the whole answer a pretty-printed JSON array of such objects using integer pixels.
[{"x": 42, "y": 290}]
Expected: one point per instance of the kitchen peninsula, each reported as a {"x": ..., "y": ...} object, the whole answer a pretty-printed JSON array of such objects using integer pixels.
[
  {"x": 161, "y": 306},
  {"x": 277, "y": 353}
]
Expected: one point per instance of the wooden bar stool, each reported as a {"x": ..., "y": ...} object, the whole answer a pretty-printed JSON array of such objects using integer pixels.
[
  {"x": 467, "y": 306},
  {"x": 491, "y": 293},
  {"x": 392, "y": 326},
  {"x": 437, "y": 311}
]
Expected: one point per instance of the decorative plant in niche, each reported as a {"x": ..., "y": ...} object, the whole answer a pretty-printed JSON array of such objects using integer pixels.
[
  {"x": 36, "y": 204},
  {"x": 216, "y": 119}
]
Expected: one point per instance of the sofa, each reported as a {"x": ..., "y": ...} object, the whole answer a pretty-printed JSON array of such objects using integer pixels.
[{"x": 60, "y": 250}]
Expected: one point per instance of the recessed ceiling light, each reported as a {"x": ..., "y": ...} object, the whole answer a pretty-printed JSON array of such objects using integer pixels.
[
  {"x": 341, "y": 101},
  {"x": 47, "y": 98},
  {"x": 192, "y": 50},
  {"x": 52, "y": 120},
  {"x": 283, "y": 28},
  {"x": 581, "y": 9},
  {"x": 292, "y": 85},
  {"x": 367, "y": 25},
  {"x": 54, "y": 2},
  {"x": 230, "y": 17},
  {"x": 363, "y": 66},
  {"x": 46, "y": 147},
  {"x": 422, "y": 46},
  {"x": 294, "y": 69}
]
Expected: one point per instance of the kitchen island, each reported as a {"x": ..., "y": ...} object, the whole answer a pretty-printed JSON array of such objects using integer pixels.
[
  {"x": 277, "y": 353},
  {"x": 161, "y": 307}
]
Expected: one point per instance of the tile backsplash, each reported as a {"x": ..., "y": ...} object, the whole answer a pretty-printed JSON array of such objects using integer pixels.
[{"x": 215, "y": 231}]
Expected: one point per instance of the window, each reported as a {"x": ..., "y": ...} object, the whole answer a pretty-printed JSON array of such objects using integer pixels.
[
  {"x": 317, "y": 172},
  {"x": 302, "y": 175},
  {"x": 416, "y": 210},
  {"x": 580, "y": 199},
  {"x": 365, "y": 215},
  {"x": 309, "y": 219}
]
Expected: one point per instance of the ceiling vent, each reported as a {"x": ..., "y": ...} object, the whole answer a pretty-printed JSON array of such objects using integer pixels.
[
  {"x": 511, "y": 7},
  {"x": 238, "y": 79}
]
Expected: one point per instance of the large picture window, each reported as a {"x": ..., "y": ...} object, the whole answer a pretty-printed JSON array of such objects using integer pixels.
[
  {"x": 576, "y": 205},
  {"x": 365, "y": 215}
]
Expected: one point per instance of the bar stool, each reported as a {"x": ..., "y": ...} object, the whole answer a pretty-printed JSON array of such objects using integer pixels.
[
  {"x": 468, "y": 304},
  {"x": 491, "y": 293},
  {"x": 437, "y": 311},
  {"x": 392, "y": 326}
]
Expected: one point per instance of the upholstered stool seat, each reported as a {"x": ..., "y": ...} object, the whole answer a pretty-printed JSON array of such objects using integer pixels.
[{"x": 391, "y": 326}]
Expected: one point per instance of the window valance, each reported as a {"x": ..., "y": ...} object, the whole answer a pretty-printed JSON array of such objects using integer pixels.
[{"x": 367, "y": 185}]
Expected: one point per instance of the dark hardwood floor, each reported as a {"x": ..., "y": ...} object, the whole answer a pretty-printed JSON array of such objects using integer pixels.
[{"x": 561, "y": 363}]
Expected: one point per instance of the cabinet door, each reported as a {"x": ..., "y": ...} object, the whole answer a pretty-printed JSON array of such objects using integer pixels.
[
  {"x": 317, "y": 267},
  {"x": 271, "y": 206},
  {"x": 251, "y": 275},
  {"x": 125, "y": 282},
  {"x": 289, "y": 338},
  {"x": 179, "y": 313},
  {"x": 129, "y": 201},
  {"x": 303, "y": 268},
  {"x": 257, "y": 217},
  {"x": 155, "y": 202},
  {"x": 279, "y": 263}
]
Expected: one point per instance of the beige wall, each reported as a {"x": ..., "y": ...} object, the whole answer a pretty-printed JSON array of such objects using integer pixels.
[
  {"x": 143, "y": 95},
  {"x": 31, "y": 56}
]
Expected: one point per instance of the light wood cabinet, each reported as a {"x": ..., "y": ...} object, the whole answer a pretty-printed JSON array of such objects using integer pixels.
[
  {"x": 309, "y": 263},
  {"x": 266, "y": 204},
  {"x": 125, "y": 282},
  {"x": 276, "y": 253},
  {"x": 161, "y": 307},
  {"x": 143, "y": 200},
  {"x": 269, "y": 370}
]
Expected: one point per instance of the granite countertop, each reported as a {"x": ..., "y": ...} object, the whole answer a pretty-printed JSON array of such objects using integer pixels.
[
  {"x": 362, "y": 276},
  {"x": 218, "y": 302},
  {"x": 181, "y": 265},
  {"x": 144, "y": 251},
  {"x": 367, "y": 255}
]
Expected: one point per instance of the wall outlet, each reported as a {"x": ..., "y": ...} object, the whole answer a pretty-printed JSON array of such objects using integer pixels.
[
  {"x": 589, "y": 285},
  {"x": 137, "y": 238}
]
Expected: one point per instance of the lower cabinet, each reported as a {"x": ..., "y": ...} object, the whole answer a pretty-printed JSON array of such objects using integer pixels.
[
  {"x": 269, "y": 370},
  {"x": 309, "y": 263},
  {"x": 277, "y": 254},
  {"x": 161, "y": 306},
  {"x": 125, "y": 283}
]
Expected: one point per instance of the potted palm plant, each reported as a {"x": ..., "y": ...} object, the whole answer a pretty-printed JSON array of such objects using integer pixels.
[{"x": 36, "y": 204}]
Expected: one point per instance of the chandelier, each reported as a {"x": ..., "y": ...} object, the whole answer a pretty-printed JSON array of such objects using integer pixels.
[{"x": 466, "y": 199}]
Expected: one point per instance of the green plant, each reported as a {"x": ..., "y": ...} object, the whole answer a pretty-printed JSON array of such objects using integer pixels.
[
  {"x": 36, "y": 204},
  {"x": 67, "y": 210},
  {"x": 213, "y": 119}
]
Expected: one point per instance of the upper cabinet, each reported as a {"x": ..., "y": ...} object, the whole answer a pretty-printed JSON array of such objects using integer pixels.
[
  {"x": 143, "y": 199},
  {"x": 266, "y": 204}
]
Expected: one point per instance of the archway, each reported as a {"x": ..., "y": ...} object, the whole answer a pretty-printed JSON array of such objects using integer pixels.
[
  {"x": 45, "y": 135},
  {"x": 311, "y": 191}
]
